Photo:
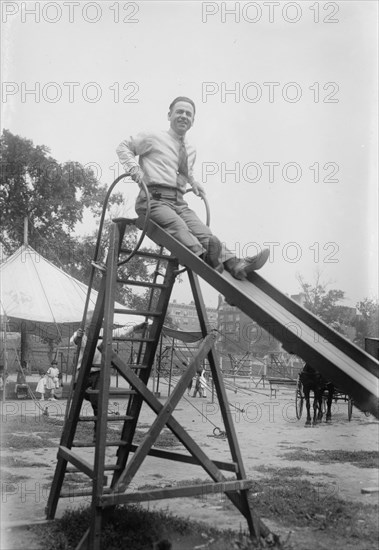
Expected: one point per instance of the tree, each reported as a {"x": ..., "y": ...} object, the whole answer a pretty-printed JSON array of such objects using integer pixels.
[
  {"x": 52, "y": 196},
  {"x": 324, "y": 303},
  {"x": 367, "y": 323}
]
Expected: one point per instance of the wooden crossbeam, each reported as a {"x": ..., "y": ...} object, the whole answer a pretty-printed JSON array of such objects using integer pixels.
[
  {"x": 176, "y": 492},
  {"x": 180, "y": 457}
]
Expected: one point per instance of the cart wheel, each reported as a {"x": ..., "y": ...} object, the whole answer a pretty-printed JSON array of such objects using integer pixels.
[
  {"x": 299, "y": 399},
  {"x": 349, "y": 408}
]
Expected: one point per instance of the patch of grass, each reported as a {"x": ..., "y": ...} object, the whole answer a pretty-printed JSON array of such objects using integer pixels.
[
  {"x": 297, "y": 502},
  {"x": 30, "y": 432},
  {"x": 22, "y": 442},
  {"x": 76, "y": 477},
  {"x": 285, "y": 497},
  {"x": 16, "y": 462},
  {"x": 126, "y": 527},
  {"x": 143, "y": 426},
  {"x": 286, "y": 472},
  {"x": 21, "y": 432},
  {"x": 31, "y": 424},
  {"x": 363, "y": 459},
  {"x": 166, "y": 439},
  {"x": 9, "y": 478}
]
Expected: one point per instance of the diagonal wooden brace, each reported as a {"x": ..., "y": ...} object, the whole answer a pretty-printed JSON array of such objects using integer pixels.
[
  {"x": 163, "y": 415},
  {"x": 188, "y": 442}
]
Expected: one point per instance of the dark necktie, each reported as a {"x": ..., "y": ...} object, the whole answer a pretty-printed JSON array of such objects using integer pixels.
[{"x": 183, "y": 160}]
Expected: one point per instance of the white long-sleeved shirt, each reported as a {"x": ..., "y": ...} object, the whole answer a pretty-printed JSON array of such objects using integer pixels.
[
  {"x": 158, "y": 157},
  {"x": 96, "y": 362}
]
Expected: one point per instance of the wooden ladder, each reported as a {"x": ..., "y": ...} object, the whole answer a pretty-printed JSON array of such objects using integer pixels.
[{"x": 129, "y": 456}]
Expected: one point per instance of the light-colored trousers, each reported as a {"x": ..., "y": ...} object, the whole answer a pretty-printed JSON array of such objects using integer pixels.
[{"x": 175, "y": 216}]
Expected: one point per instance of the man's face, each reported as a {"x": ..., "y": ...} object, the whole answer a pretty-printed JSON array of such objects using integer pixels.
[{"x": 181, "y": 117}]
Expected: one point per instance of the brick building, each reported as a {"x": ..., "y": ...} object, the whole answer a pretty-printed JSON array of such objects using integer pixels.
[
  {"x": 240, "y": 334},
  {"x": 185, "y": 316}
]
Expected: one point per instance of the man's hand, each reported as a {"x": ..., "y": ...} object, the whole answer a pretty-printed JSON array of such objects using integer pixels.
[
  {"x": 79, "y": 333},
  {"x": 198, "y": 189},
  {"x": 136, "y": 174}
]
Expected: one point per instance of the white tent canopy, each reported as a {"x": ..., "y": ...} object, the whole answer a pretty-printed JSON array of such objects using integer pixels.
[{"x": 43, "y": 299}]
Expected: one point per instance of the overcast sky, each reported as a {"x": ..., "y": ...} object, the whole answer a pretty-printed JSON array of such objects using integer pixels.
[{"x": 285, "y": 127}]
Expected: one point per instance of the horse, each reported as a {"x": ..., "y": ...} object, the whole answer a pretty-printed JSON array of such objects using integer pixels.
[{"x": 312, "y": 380}]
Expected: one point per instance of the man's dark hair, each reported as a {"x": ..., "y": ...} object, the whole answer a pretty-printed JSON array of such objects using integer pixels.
[{"x": 182, "y": 98}]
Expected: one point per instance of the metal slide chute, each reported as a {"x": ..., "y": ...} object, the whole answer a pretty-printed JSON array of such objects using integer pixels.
[{"x": 300, "y": 332}]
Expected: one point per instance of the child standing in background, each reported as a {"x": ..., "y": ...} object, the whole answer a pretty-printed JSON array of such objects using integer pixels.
[
  {"x": 52, "y": 380},
  {"x": 41, "y": 386}
]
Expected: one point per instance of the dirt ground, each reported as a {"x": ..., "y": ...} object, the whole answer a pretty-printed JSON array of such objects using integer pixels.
[{"x": 268, "y": 433}]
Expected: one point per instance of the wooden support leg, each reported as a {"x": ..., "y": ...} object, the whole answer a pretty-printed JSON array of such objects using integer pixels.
[{"x": 256, "y": 526}]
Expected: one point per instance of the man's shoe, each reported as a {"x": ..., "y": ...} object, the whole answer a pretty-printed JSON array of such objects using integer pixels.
[
  {"x": 212, "y": 255},
  {"x": 240, "y": 268}
]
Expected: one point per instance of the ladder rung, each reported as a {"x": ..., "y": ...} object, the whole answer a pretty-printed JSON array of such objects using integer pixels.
[
  {"x": 141, "y": 283},
  {"x": 141, "y": 312},
  {"x": 114, "y": 391},
  {"x": 76, "y": 492},
  {"x": 117, "y": 443},
  {"x": 112, "y": 418},
  {"x": 149, "y": 254},
  {"x": 129, "y": 339},
  {"x": 74, "y": 470},
  {"x": 136, "y": 366},
  {"x": 138, "y": 340}
]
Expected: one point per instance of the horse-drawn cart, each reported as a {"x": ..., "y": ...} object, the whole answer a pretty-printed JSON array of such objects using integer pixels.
[{"x": 338, "y": 395}]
